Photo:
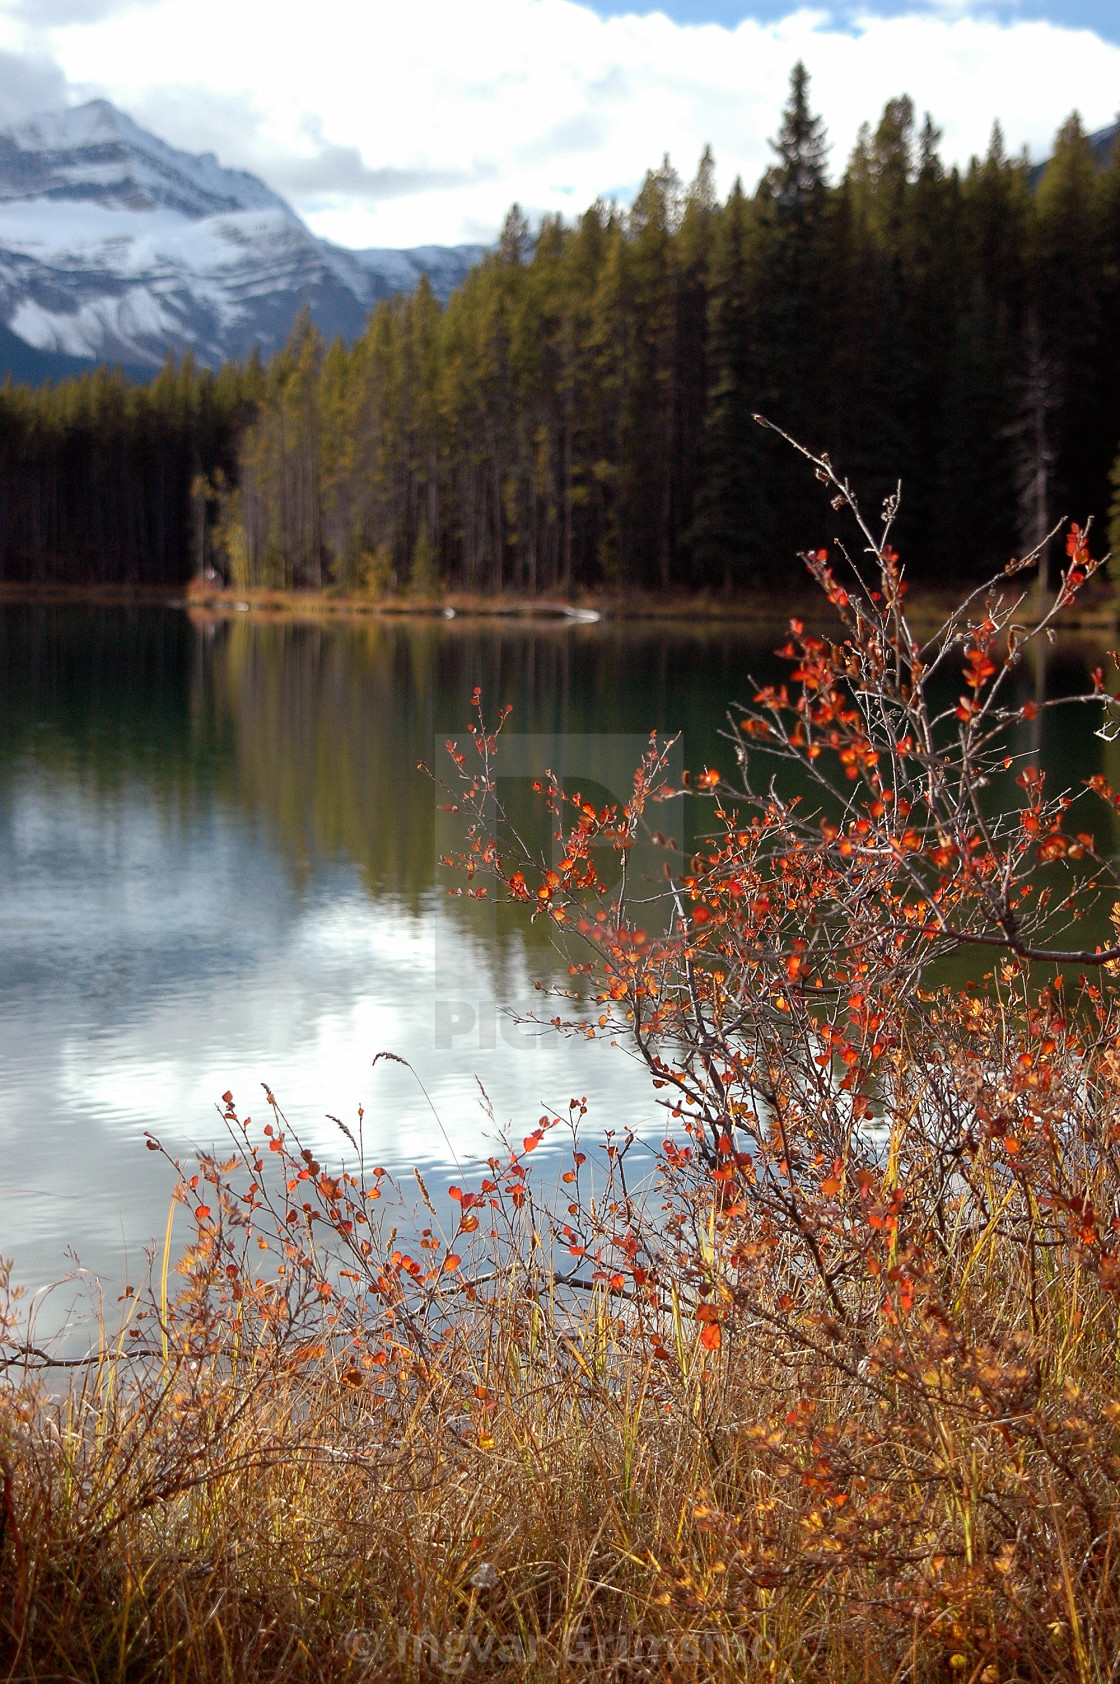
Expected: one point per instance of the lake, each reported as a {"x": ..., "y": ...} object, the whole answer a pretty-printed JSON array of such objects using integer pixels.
[{"x": 218, "y": 868}]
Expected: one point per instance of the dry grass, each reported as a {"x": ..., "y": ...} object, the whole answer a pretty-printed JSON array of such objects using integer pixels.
[{"x": 523, "y": 1481}]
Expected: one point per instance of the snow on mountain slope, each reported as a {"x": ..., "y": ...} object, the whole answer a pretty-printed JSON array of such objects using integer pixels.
[
  {"x": 445, "y": 266},
  {"x": 117, "y": 247},
  {"x": 95, "y": 152}
]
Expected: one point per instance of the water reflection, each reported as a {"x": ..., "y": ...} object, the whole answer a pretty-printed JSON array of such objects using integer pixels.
[{"x": 217, "y": 868}]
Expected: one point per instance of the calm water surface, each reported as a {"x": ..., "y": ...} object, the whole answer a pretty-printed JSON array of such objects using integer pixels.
[{"x": 218, "y": 868}]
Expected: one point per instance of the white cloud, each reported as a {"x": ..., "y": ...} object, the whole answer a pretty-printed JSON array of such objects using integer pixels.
[
  {"x": 29, "y": 82},
  {"x": 395, "y": 125}
]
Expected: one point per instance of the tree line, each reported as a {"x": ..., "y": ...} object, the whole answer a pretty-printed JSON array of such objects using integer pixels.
[
  {"x": 103, "y": 481},
  {"x": 580, "y": 414}
]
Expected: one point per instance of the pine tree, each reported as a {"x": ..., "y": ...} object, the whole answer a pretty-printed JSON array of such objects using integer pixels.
[
  {"x": 1108, "y": 277},
  {"x": 797, "y": 183},
  {"x": 793, "y": 304},
  {"x": 691, "y": 376},
  {"x": 1066, "y": 306},
  {"x": 731, "y": 535}
]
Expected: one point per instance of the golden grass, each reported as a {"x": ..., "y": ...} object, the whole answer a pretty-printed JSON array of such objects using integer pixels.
[{"x": 529, "y": 1488}]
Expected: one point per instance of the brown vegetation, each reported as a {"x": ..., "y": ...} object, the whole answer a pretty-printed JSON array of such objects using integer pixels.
[{"x": 825, "y": 1387}]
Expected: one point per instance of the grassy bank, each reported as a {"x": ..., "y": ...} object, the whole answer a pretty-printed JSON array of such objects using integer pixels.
[{"x": 1097, "y": 610}]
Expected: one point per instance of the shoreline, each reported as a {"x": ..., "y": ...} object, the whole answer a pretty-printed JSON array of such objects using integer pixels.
[{"x": 925, "y": 609}]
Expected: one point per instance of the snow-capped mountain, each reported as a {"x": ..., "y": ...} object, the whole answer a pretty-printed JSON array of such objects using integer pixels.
[
  {"x": 96, "y": 154},
  {"x": 117, "y": 247}
]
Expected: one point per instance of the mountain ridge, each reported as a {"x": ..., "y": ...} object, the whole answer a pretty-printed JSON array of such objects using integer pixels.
[
  {"x": 74, "y": 153},
  {"x": 117, "y": 247}
]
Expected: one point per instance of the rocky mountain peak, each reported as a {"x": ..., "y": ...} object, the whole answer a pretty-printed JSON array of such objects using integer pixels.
[
  {"x": 115, "y": 246},
  {"x": 97, "y": 154}
]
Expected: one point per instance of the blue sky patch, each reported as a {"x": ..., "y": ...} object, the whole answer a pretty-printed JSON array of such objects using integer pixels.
[{"x": 1101, "y": 16}]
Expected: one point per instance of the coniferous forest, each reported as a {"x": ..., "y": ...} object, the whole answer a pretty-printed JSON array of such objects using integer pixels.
[{"x": 579, "y": 416}]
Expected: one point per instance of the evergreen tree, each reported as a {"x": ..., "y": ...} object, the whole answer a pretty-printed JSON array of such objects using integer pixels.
[
  {"x": 730, "y": 536},
  {"x": 1067, "y": 310},
  {"x": 798, "y": 183},
  {"x": 691, "y": 376}
]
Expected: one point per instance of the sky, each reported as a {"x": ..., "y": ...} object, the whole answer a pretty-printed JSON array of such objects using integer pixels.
[{"x": 407, "y": 122}]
